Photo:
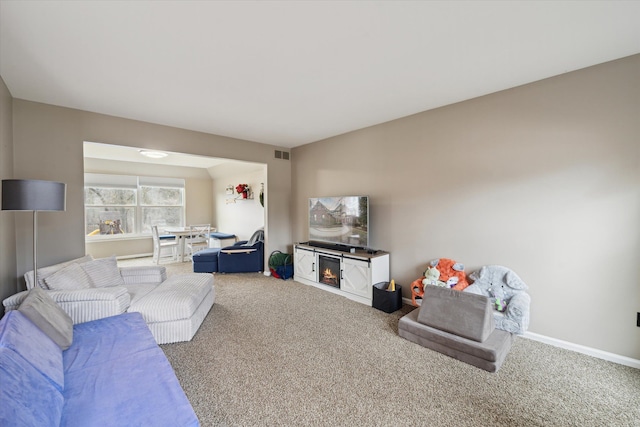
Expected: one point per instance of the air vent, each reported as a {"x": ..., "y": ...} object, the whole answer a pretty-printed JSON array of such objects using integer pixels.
[{"x": 278, "y": 154}]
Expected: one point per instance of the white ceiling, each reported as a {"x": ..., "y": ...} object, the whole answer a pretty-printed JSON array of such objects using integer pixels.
[
  {"x": 288, "y": 73},
  {"x": 96, "y": 150}
]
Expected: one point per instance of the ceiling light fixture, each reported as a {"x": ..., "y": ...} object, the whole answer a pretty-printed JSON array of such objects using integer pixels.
[{"x": 153, "y": 154}]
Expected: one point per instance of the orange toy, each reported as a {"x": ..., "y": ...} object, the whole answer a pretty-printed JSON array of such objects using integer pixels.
[{"x": 451, "y": 272}]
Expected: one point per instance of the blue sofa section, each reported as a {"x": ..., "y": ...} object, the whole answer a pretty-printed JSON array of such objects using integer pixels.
[
  {"x": 241, "y": 258},
  {"x": 245, "y": 256},
  {"x": 113, "y": 374}
]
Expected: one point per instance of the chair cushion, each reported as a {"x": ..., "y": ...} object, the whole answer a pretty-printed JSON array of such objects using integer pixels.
[
  {"x": 463, "y": 314},
  {"x": 222, "y": 236}
]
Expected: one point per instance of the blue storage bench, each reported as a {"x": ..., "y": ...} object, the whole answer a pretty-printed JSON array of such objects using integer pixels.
[
  {"x": 216, "y": 239},
  {"x": 206, "y": 261}
]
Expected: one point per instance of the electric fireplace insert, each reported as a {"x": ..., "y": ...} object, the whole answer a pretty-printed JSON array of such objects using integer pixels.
[{"x": 329, "y": 272}]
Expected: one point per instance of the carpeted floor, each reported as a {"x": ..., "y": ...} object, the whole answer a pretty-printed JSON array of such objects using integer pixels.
[{"x": 274, "y": 352}]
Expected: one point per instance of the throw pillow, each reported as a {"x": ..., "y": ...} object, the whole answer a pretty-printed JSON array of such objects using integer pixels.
[
  {"x": 69, "y": 278},
  {"x": 45, "y": 272},
  {"x": 48, "y": 317},
  {"x": 103, "y": 272},
  {"x": 256, "y": 237}
]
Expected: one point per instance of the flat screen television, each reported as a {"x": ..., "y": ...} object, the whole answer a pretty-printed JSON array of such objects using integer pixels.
[{"x": 342, "y": 220}]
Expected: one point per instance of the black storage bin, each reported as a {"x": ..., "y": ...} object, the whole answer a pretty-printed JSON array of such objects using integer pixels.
[{"x": 387, "y": 301}]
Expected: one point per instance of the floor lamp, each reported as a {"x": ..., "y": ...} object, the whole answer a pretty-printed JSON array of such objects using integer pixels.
[{"x": 33, "y": 195}]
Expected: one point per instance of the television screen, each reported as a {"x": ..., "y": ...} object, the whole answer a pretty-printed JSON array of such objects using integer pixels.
[{"x": 340, "y": 220}]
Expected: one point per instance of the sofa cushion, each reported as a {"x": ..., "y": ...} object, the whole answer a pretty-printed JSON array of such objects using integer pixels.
[
  {"x": 23, "y": 337},
  {"x": 116, "y": 375},
  {"x": 466, "y": 315},
  {"x": 28, "y": 398},
  {"x": 31, "y": 374},
  {"x": 48, "y": 316},
  {"x": 488, "y": 355},
  {"x": 45, "y": 272},
  {"x": 69, "y": 278},
  {"x": 177, "y": 298},
  {"x": 103, "y": 272}
]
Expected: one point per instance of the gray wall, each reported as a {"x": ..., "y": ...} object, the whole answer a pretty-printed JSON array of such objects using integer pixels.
[
  {"x": 8, "y": 281},
  {"x": 543, "y": 178},
  {"x": 48, "y": 144}
]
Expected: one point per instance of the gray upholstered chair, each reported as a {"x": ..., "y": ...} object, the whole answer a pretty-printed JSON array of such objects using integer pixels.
[{"x": 496, "y": 281}]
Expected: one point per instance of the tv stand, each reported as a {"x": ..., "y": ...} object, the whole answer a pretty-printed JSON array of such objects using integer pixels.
[{"x": 356, "y": 273}]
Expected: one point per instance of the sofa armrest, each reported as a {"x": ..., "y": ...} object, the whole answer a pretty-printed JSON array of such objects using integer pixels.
[
  {"x": 14, "y": 301},
  {"x": 516, "y": 316},
  {"x": 144, "y": 274},
  {"x": 82, "y": 305}
]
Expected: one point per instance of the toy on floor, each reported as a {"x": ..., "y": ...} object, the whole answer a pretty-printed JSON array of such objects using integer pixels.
[
  {"x": 503, "y": 285},
  {"x": 449, "y": 274},
  {"x": 431, "y": 277}
]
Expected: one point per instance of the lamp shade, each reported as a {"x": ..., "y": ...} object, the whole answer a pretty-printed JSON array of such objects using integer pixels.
[{"x": 33, "y": 195}]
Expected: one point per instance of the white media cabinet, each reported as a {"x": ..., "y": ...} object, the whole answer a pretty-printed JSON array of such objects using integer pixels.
[{"x": 357, "y": 271}]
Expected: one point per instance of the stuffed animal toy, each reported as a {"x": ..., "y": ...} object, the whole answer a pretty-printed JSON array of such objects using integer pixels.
[
  {"x": 451, "y": 273},
  {"x": 441, "y": 272},
  {"x": 503, "y": 286},
  {"x": 431, "y": 276},
  {"x": 417, "y": 292}
]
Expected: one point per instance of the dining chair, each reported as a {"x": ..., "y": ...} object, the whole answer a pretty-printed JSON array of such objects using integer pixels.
[
  {"x": 159, "y": 244},
  {"x": 198, "y": 238}
]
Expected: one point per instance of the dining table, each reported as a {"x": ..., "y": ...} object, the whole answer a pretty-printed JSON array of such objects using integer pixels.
[{"x": 181, "y": 234}]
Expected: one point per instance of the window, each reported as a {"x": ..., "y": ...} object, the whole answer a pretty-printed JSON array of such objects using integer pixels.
[{"x": 130, "y": 205}]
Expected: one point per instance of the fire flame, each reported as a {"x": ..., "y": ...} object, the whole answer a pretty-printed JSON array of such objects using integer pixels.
[{"x": 327, "y": 274}]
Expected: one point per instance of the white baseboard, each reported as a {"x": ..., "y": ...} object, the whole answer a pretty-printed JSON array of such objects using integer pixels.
[
  {"x": 134, "y": 256},
  {"x": 611, "y": 357}
]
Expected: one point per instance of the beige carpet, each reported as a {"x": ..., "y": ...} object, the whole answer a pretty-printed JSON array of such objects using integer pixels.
[{"x": 274, "y": 352}]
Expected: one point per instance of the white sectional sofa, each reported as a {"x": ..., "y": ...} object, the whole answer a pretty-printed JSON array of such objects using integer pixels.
[{"x": 89, "y": 289}]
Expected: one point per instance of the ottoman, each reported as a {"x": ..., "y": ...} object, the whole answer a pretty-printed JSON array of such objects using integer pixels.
[
  {"x": 175, "y": 309},
  {"x": 218, "y": 239},
  {"x": 205, "y": 261}
]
